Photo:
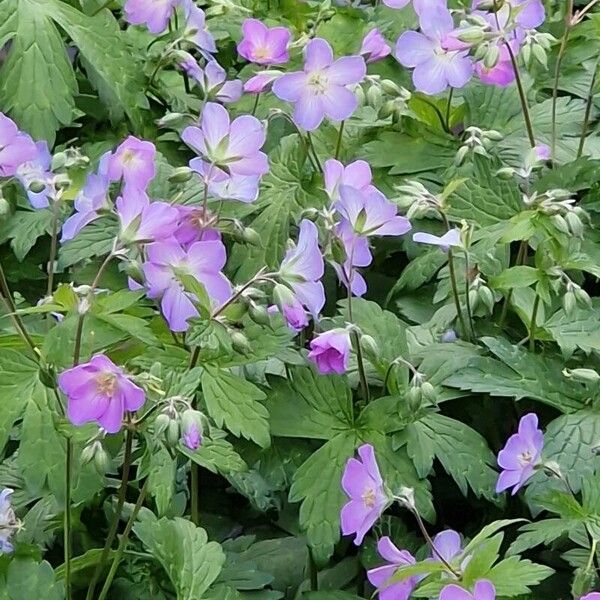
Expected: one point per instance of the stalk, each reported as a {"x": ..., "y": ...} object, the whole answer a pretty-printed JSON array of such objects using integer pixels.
[
  {"x": 588, "y": 111},
  {"x": 454, "y": 286},
  {"x": 338, "y": 146},
  {"x": 533, "y": 323}
]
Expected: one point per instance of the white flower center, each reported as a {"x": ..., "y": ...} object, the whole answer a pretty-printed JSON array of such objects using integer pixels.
[
  {"x": 369, "y": 497},
  {"x": 318, "y": 82},
  {"x": 525, "y": 458},
  {"x": 106, "y": 383}
]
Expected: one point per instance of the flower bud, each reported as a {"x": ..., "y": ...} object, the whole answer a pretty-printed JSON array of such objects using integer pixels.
[
  {"x": 338, "y": 251},
  {"x": 582, "y": 375},
  {"x": 505, "y": 173},
  {"x": 559, "y": 222},
  {"x": 389, "y": 87},
  {"x": 428, "y": 392},
  {"x": 474, "y": 299},
  {"x": 540, "y": 54},
  {"x": 36, "y": 186},
  {"x": 414, "y": 398},
  {"x": 486, "y": 297},
  {"x": 4, "y": 207},
  {"x": 582, "y": 297},
  {"x": 171, "y": 119},
  {"x": 360, "y": 95},
  {"x": 259, "y": 314},
  {"x": 374, "y": 96},
  {"x": 172, "y": 432},
  {"x": 240, "y": 342},
  {"x": 88, "y": 453},
  {"x": 59, "y": 161},
  {"x": 102, "y": 461},
  {"x": 369, "y": 345},
  {"x": 161, "y": 423},
  {"x": 575, "y": 224},
  {"x": 461, "y": 155},
  {"x": 181, "y": 175},
  {"x": 251, "y": 236},
  {"x": 569, "y": 303},
  {"x": 471, "y": 35},
  {"x": 191, "y": 429},
  {"x": 387, "y": 109}
]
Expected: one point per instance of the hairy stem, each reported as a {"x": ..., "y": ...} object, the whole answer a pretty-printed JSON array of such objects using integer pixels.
[
  {"x": 533, "y": 323},
  {"x": 315, "y": 155},
  {"x": 53, "y": 247},
  {"x": 255, "y": 105},
  {"x": 449, "y": 109},
  {"x": 112, "y": 532},
  {"x": 467, "y": 299},
  {"x": 588, "y": 111},
  {"x": 67, "y": 535},
  {"x": 455, "y": 295},
  {"x": 338, "y": 146},
  {"x": 194, "y": 493}
]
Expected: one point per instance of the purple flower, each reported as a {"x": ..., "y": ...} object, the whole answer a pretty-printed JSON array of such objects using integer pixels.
[
  {"x": 370, "y": 213},
  {"x": 592, "y": 596},
  {"x": 302, "y": 267},
  {"x": 502, "y": 73},
  {"x": 237, "y": 187},
  {"x": 357, "y": 255},
  {"x": 133, "y": 162},
  {"x": 261, "y": 82},
  {"x": 363, "y": 484},
  {"x": 195, "y": 27},
  {"x": 192, "y": 438},
  {"x": 321, "y": 88},
  {"x": 290, "y": 307},
  {"x": 227, "y": 148},
  {"x": 520, "y": 455},
  {"x": 357, "y": 175},
  {"x": 380, "y": 576},
  {"x": 263, "y": 45},
  {"x": 194, "y": 226},
  {"x": 155, "y": 14},
  {"x": 450, "y": 239},
  {"x": 420, "y": 6},
  {"x": 144, "y": 221},
  {"x": 99, "y": 391},
  {"x": 167, "y": 261},
  {"x": 213, "y": 80},
  {"x": 8, "y": 521},
  {"x": 435, "y": 68},
  {"x": 330, "y": 351},
  {"x": 448, "y": 336},
  {"x": 529, "y": 13},
  {"x": 92, "y": 198},
  {"x": 37, "y": 170},
  {"x": 448, "y": 545},
  {"x": 484, "y": 590},
  {"x": 542, "y": 152},
  {"x": 374, "y": 47},
  {"x": 396, "y": 3},
  {"x": 16, "y": 147}
]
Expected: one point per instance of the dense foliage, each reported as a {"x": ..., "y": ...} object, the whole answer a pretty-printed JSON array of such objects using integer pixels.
[{"x": 298, "y": 299}]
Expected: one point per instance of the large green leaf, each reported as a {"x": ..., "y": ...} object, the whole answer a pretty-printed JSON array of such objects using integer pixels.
[
  {"x": 26, "y": 578},
  {"x": 190, "y": 560}
]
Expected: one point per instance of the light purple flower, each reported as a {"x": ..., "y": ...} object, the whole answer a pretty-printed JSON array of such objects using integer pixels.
[
  {"x": 144, "y": 221},
  {"x": 449, "y": 336},
  {"x": 542, "y": 152},
  {"x": 592, "y": 596},
  {"x": 357, "y": 255},
  {"x": 191, "y": 437},
  {"x": 91, "y": 199},
  {"x": 236, "y": 187},
  {"x": 502, "y": 73},
  {"x": 370, "y": 213},
  {"x": 321, "y": 90},
  {"x": 357, "y": 174},
  {"x": 450, "y": 239},
  {"x": 195, "y": 28},
  {"x": 155, "y": 14},
  {"x": 521, "y": 454},
  {"x": 194, "y": 226},
  {"x": 133, "y": 162},
  {"x": 167, "y": 261},
  {"x": 396, "y": 3},
  {"x": 227, "y": 148},
  {"x": 420, "y": 6},
  {"x": 374, "y": 47},
  {"x": 261, "y": 82},
  {"x": 37, "y": 170},
  {"x": 380, "y": 576},
  {"x": 213, "y": 80},
  {"x": 530, "y": 13},
  {"x": 290, "y": 307},
  {"x": 484, "y": 590},
  {"x": 363, "y": 484},
  {"x": 434, "y": 67},
  {"x": 8, "y": 521},
  {"x": 16, "y": 147},
  {"x": 99, "y": 391},
  {"x": 302, "y": 267},
  {"x": 448, "y": 545},
  {"x": 330, "y": 351},
  {"x": 263, "y": 45}
]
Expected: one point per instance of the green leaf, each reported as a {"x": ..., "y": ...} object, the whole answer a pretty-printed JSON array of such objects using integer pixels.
[
  {"x": 519, "y": 374},
  {"x": 23, "y": 229},
  {"x": 37, "y": 83},
  {"x": 162, "y": 470},
  {"x": 463, "y": 452},
  {"x": 488, "y": 531},
  {"x": 579, "y": 330},
  {"x": 329, "y": 596},
  {"x": 27, "y": 579},
  {"x": 94, "y": 240},
  {"x": 183, "y": 550},
  {"x": 541, "y": 532},
  {"x": 482, "y": 559},
  {"x": 235, "y": 402},
  {"x": 309, "y": 405},
  {"x": 217, "y": 455},
  {"x": 514, "y": 576},
  {"x": 418, "y": 272},
  {"x": 515, "y": 277},
  {"x": 317, "y": 485}
]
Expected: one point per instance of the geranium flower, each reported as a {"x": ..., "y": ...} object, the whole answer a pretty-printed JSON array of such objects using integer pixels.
[
  {"x": 374, "y": 47},
  {"x": 99, "y": 391},
  {"x": 263, "y": 45},
  {"x": 321, "y": 90},
  {"x": 592, "y": 596},
  {"x": 194, "y": 226},
  {"x": 226, "y": 148},
  {"x": 195, "y": 28},
  {"x": 356, "y": 174},
  {"x": 450, "y": 239},
  {"x": 8, "y": 521},
  {"x": 529, "y": 13},
  {"x": 155, "y": 14},
  {"x": 212, "y": 80},
  {"x": 330, "y": 351},
  {"x": 358, "y": 254},
  {"x": 484, "y": 590},
  {"x": 16, "y": 147},
  {"x": 435, "y": 68},
  {"x": 37, "y": 170},
  {"x": 521, "y": 454},
  {"x": 133, "y": 162},
  {"x": 290, "y": 307},
  {"x": 380, "y": 576},
  {"x": 261, "y": 82},
  {"x": 167, "y": 261},
  {"x": 363, "y": 484}
]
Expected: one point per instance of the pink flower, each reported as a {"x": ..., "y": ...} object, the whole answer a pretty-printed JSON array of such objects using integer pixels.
[
  {"x": 330, "y": 351},
  {"x": 263, "y": 45},
  {"x": 380, "y": 576},
  {"x": 261, "y": 82},
  {"x": 356, "y": 174},
  {"x": 16, "y": 147},
  {"x": 363, "y": 484},
  {"x": 484, "y": 590},
  {"x": 521, "y": 454},
  {"x": 374, "y": 47},
  {"x": 99, "y": 391},
  {"x": 155, "y": 14},
  {"x": 133, "y": 162},
  {"x": 321, "y": 89}
]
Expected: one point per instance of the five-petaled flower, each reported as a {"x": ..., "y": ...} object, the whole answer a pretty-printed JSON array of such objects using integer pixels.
[
  {"x": 330, "y": 351},
  {"x": 99, "y": 391},
  {"x": 321, "y": 89},
  {"x": 483, "y": 590},
  {"x": 380, "y": 576},
  {"x": 133, "y": 162},
  {"x": 363, "y": 484},
  {"x": 16, "y": 147},
  {"x": 521, "y": 454},
  {"x": 8, "y": 521},
  {"x": 263, "y": 45}
]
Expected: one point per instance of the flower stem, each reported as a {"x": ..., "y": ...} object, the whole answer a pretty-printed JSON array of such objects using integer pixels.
[
  {"x": 362, "y": 375},
  {"x": 588, "y": 111},
  {"x": 312, "y": 147},
  {"x": 338, "y": 146},
  {"x": 119, "y": 509},
  {"x": 123, "y": 543},
  {"x": 521, "y": 255},
  {"x": 313, "y": 571},
  {"x": 67, "y": 537},
  {"x": 237, "y": 294},
  {"x": 194, "y": 492},
  {"x": 454, "y": 286},
  {"x": 449, "y": 109},
  {"x": 533, "y": 322},
  {"x": 255, "y": 106},
  {"x": 53, "y": 247},
  {"x": 559, "y": 58},
  {"x": 467, "y": 299}
]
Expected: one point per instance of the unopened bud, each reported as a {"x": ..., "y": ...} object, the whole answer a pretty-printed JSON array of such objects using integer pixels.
[
  {"x": 582, "y": 297},
  {"x": 338, "y": 251},
  {"x": 582, "y": 375},
  {"x": 369, "y": 345},
  {"x": 569, "y": 303},
  {"x": 486, "y": 297},
  {"x": 37, "y": 186},
  {"x": 240, "y": 342},
  {"x": 102, "y": 461},
  {"x": 172, "y": 432},
  {"x": 251, "y": 236},
  {"x": 374, "y": 96},
  {"x": 414, "y": 398},
  {"x": 59, "y": 161},
  {"x": 461, "y": 155},
  {"x": 259, "y": 314},
  {"x": 171, "y": 119},
  {"x": 505, "y": 173},
  {"x": 191, "y": 429},
  {"x": 161, "y": 423},
  {"x": 429, "y": 393},
  {"x": 4, "y": 207},
  {"x": 387, "y": 109},
  {"x": 389, "y": 87},
  {"x": 575, "y": 224},
  {"x": 473, "y": 299},
  {"x": 181, "y": 175},
  {"x": 471, "y": 35},
  {"x": 559, "y": 222}
]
